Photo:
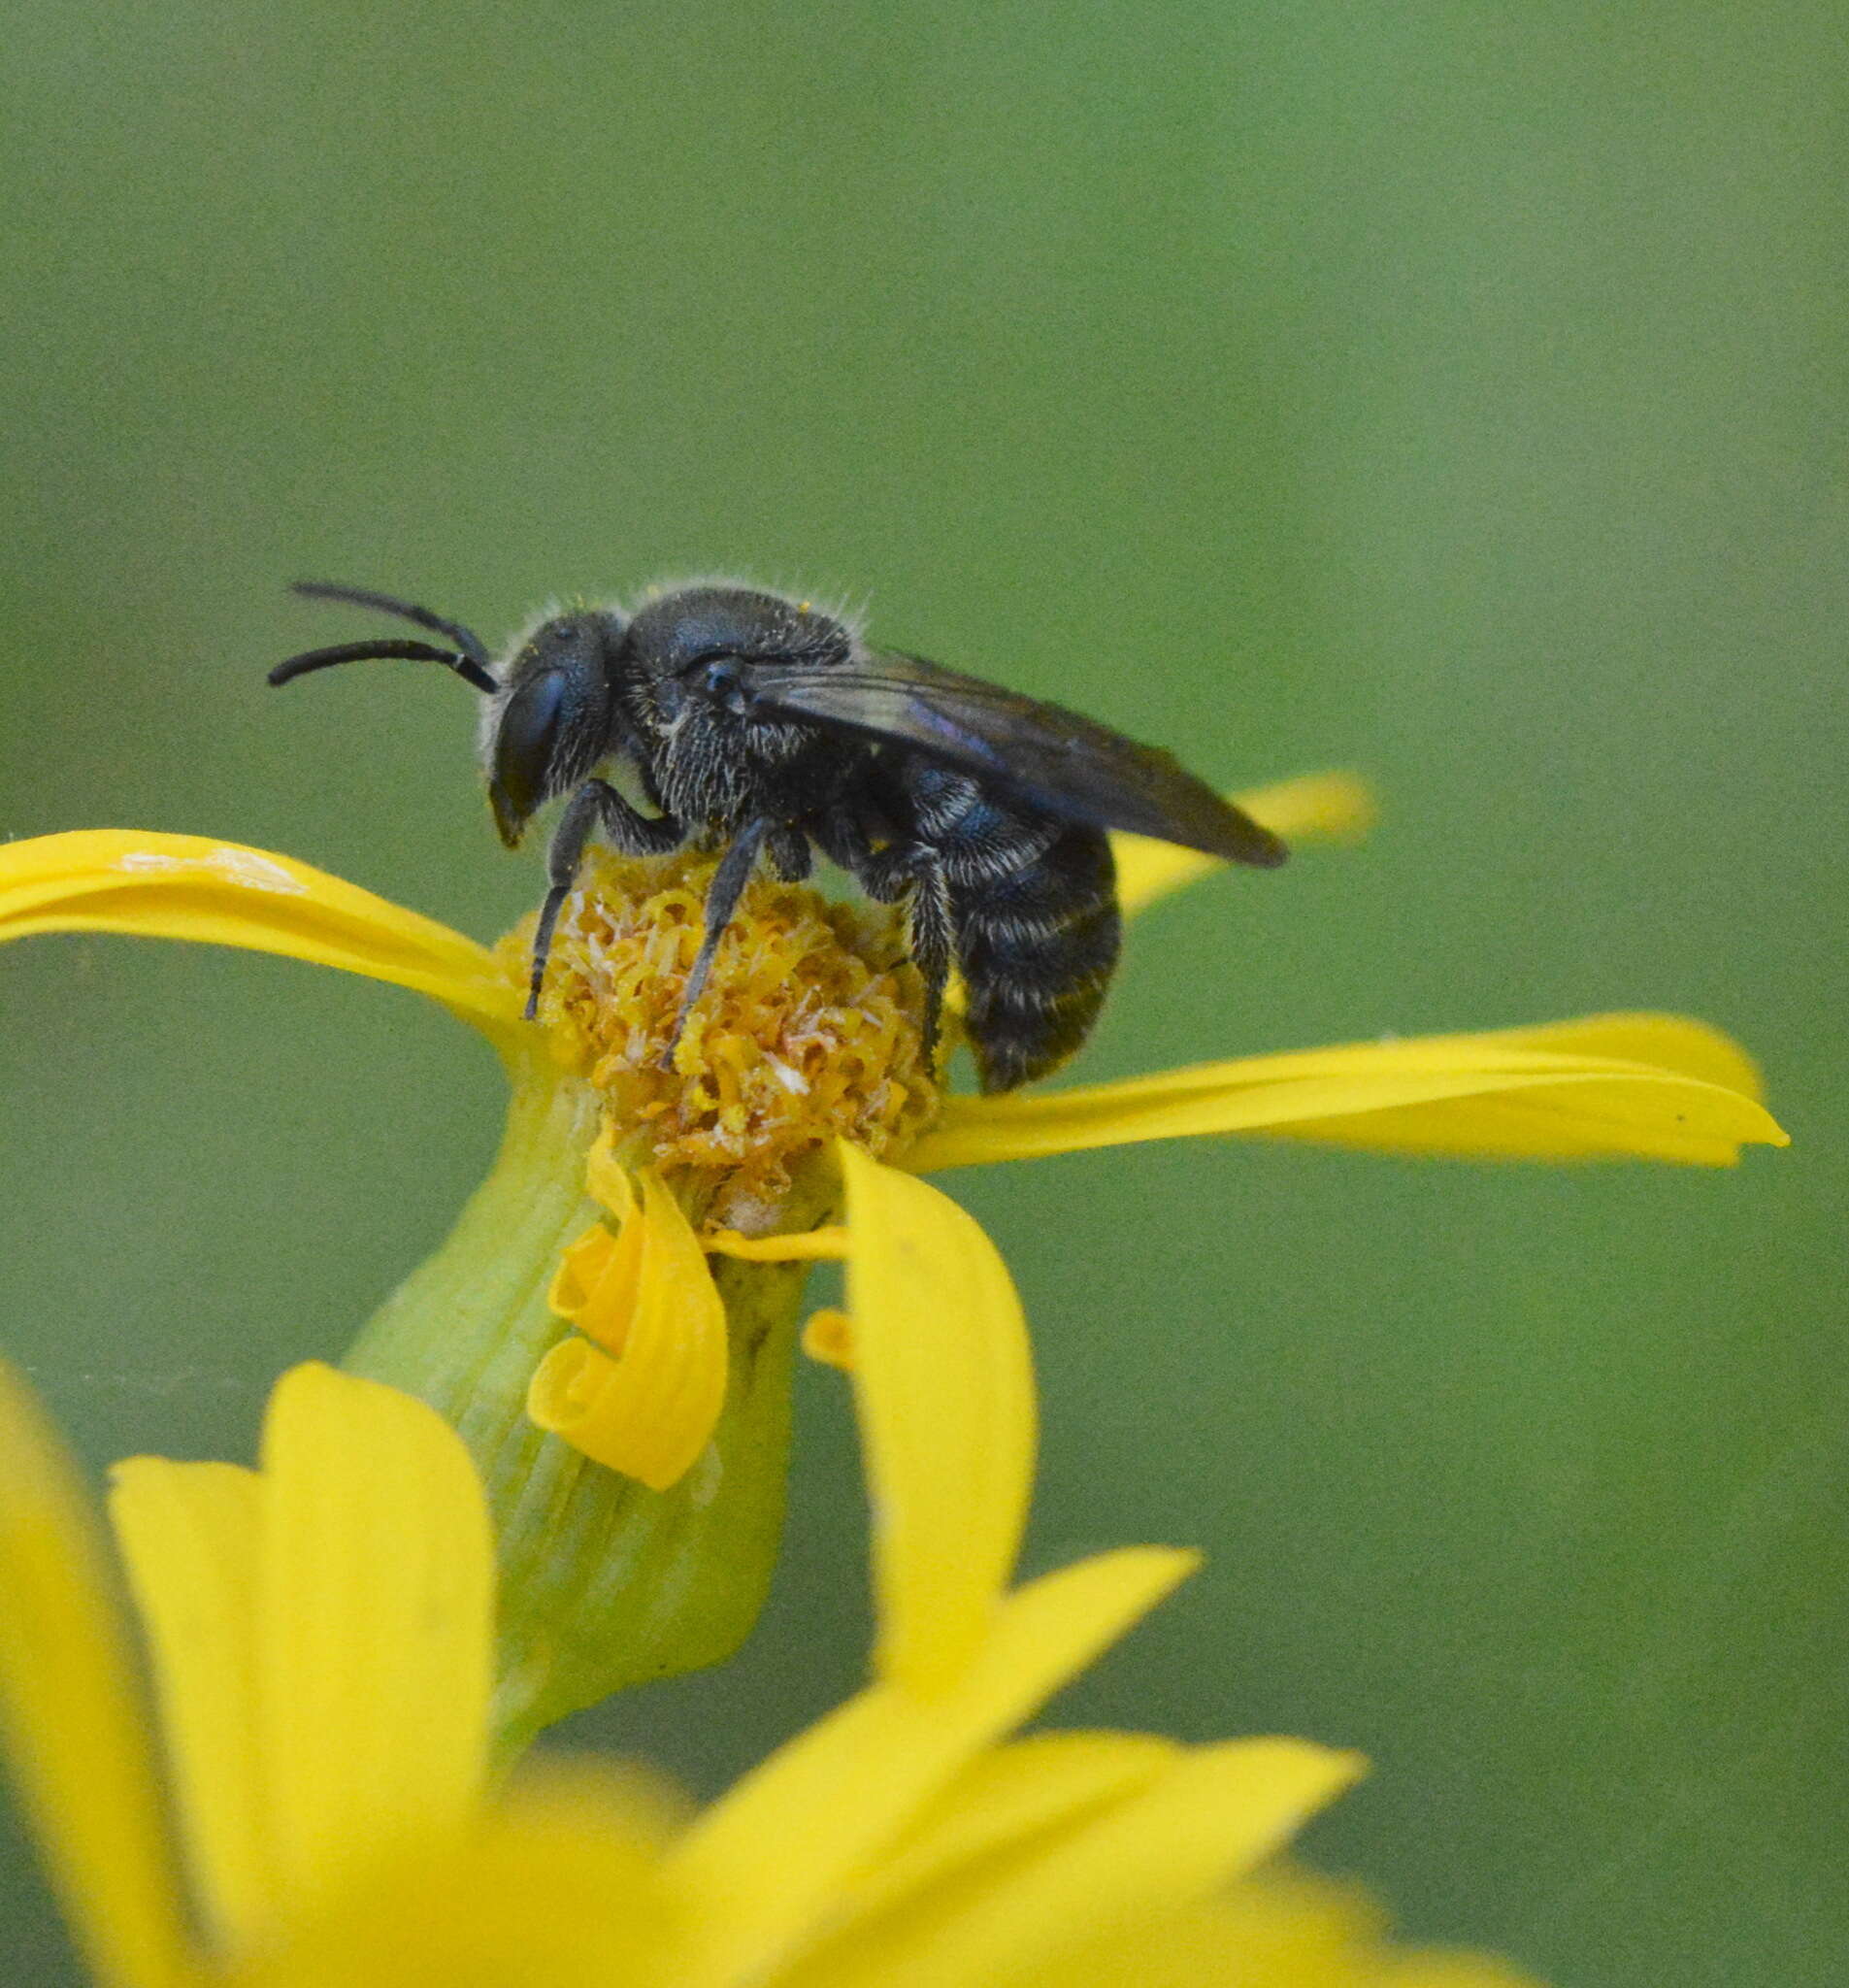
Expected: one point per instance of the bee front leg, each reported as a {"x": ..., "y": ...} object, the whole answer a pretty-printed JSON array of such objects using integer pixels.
[
  {"x": 631, "y": 832},
  {"x": 722, "y": 899}
]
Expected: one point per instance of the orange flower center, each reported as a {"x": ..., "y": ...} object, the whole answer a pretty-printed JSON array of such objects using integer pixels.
[{"x": 808, "y": 1028}]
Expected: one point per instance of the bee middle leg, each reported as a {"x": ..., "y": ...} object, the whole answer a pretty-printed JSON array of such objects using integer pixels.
[
  {"x": 791, "y": 855},
  {"x": 903, "y": 869},
  {"x": 915, "y": 872},
  {"x": 722, "y": 899}
]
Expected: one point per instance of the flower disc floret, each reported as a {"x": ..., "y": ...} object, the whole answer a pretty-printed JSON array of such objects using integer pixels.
[{"x": 809, "y": 1028}]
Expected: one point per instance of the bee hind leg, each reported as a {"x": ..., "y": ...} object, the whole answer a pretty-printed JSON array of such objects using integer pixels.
[
  {"x": 930, "y": 934},
  {"x": 722, "y": 899}
]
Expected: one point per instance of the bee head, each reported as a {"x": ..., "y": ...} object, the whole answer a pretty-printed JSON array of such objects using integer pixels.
[{"x": 548, "y": 723}]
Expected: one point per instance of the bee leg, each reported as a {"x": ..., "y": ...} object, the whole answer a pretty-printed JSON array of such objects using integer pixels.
[
  {"x": 630, "y": 832},
  {"x": 884, "y": 875},
  {"x": 790, "y": 854},
  {"x": 930, "y": 935},
  {"x": 843, "y": 838},
  {"x": 633, "y": 833},
  {"x": 902, "y": 869},
  {"x": 562, "y": 860},
  {"x": 722, "y": 899}
]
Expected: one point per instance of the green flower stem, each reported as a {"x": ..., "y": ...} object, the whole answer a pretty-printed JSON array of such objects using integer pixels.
[{"x": 604, "y": 1583}]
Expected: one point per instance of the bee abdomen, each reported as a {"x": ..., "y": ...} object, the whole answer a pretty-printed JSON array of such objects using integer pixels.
[{"x": 1037, "y": 948}]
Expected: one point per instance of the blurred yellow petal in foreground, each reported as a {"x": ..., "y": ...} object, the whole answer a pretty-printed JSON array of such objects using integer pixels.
[{"x": 319, "y": 1636}]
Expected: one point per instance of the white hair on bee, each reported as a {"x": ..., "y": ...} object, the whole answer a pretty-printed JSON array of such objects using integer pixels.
[{"x": 835, "y": 603}]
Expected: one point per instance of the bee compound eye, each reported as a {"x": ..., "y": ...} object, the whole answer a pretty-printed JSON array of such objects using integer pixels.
[{"x": 525, "y": 744}]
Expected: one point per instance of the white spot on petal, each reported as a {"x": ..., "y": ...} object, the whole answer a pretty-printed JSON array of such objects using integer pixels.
[
  {"x": 254, "y": 871},
  {"x": 245, "y": 868}
]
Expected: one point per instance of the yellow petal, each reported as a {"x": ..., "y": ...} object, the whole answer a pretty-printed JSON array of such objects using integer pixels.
[
  {"x": 1283, "y": 1927},
  {"x": 606, "y": 1178},
  {"x": 1321, "y": 807},
  {"x": 191, "y": 1538},
  {"x": 826, "y": 1245},
  {"x": 1010, "y": 1797},
  {"x": 558, "y": 1886},
  {"x": 596, "y": 1282},
  {"x": 188, "y": 887},
  {"x": 944, "y": 1387},
  {"x": 1208, "y": 1815},
  {"x": 842, "y": 1793},
  {"x": 72, "y": 1721},
  {"x": 375, "y": 1626},
  {"x": 647, "y": 1297},
  {"x": 1648, "y": 1086}
]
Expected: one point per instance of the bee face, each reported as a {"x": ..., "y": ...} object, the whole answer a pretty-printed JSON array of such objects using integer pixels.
[{"x": 548, "y": 724}]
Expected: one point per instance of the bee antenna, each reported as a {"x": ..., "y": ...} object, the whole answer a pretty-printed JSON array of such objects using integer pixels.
[
  {"x": 466, "y": 639},
  {"x": 465, "y": 666}
]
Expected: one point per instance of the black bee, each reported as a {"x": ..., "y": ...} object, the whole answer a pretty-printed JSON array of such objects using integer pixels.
[{"x": 763, "y": 727}]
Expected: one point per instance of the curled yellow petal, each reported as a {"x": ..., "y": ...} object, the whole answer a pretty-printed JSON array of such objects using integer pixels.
[
  {"x": 596, "y": 1283},
  {"x": 1644, "y": 1086},
  {"x": 375, "y": 1630},
  {"x": 71, "y": 1719},
  {"x": 188, "y": 887},
  {"x": 944, "y": 1385},
  {"x": 644, "y": 1399},
  {"x": 826, "y": 1245},
  {"x": 1320, "y": 807},
  {"x": 606, "y": 1179},
  {"x": 191, "y": 1538},
  {"x": 841, "y": 1794}
]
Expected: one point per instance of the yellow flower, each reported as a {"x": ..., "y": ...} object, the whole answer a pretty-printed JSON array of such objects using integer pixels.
[
  {"x": 667, "y": 1206},
  {"x": 319, "y": 1640}
]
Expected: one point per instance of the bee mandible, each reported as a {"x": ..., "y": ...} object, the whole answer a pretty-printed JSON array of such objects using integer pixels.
[{"x": 765, "y": 729}]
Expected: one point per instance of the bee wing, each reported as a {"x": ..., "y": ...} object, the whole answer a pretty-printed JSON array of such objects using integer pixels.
[{"x": 1051, "y": 757}]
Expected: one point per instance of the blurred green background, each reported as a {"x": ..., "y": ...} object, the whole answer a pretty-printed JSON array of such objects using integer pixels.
[{"x": 1453, "y": 391}]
